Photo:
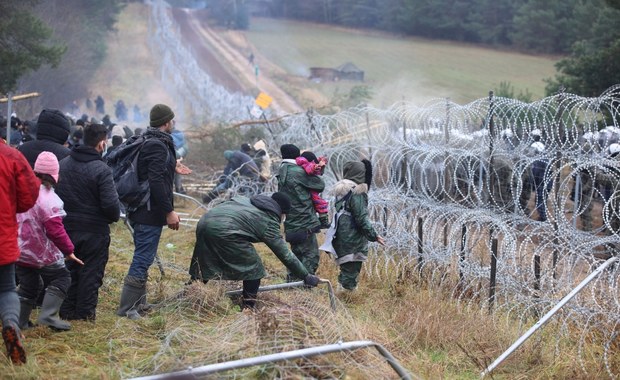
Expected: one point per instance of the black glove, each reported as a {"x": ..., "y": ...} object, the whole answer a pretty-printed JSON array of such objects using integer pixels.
[{"x": 311, "y": 281}]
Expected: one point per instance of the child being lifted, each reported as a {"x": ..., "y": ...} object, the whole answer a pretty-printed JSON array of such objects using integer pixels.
[{"x": 315, "y": 166}]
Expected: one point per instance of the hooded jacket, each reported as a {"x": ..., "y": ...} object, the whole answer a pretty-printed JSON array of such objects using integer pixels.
[
  {"x": 294, "y": 181},
  {"x": 19, "y": 190},
  {"x": 88, "y": 192},
  {"x": 225, "y": 236},
  {"x": 354, "y": 229}
]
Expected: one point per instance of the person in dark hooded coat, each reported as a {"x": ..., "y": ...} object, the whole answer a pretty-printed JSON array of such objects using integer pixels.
[
  {"x": 224, "y": 243},
  {"x": 53, "y": 130}
]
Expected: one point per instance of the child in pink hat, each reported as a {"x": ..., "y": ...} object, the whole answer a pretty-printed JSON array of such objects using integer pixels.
[{"x": 44, "y": 245}]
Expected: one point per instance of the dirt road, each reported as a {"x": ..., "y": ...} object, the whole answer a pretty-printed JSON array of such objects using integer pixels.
[{"x": 227, "y": 65}]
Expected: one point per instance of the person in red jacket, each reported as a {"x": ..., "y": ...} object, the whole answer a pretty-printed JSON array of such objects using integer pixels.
[{"x": 19, "y": 190}]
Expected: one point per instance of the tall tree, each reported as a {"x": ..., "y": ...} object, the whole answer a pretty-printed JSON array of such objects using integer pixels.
[
  {"x": 594, "y": 63},
  {"x": 25, "y": 43},
  {"x": 83, "y": 26}
]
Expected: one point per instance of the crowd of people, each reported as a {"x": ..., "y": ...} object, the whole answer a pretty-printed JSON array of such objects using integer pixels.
[{"x": 59, "y": 197}]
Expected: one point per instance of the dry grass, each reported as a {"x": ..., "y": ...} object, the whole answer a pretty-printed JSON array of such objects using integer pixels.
[{"x": 427, "y": 331}]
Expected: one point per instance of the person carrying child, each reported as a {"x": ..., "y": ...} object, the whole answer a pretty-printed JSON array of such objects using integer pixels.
[
  {"x": 44, "y": 245},
  {"x": 315, "y": 166}
]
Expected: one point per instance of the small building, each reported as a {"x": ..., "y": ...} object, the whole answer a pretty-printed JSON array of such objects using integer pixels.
[{"x": 347, "y": 71}]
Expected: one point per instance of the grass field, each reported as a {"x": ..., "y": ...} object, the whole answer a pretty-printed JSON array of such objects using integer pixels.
[{"x": 398, "y": 68}]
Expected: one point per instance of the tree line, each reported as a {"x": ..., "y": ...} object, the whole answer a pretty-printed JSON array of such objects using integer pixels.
[
  {"x": 53, "y": 46},
  {"x": 585, "y": 32}
]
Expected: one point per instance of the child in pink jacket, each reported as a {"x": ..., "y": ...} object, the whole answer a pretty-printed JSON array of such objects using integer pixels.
[
  {"x": 44, "y": 244},
  {"x": 315, "y": 166}
]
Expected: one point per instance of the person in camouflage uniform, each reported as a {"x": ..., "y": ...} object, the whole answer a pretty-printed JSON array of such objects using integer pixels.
[
  {"x": 508, "y": 178},
  {"x": 224, "y": 243},
  {"x": 353, "y": 229},
  {"x": 302, "y": 222},
  {"x": 585, "y": 194},
  {"x": 609, "y": 178}
]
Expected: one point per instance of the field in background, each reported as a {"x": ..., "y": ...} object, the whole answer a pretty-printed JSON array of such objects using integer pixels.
[
  {"x": 397, "y": 68},
  {"x": 129, "y": 71}
]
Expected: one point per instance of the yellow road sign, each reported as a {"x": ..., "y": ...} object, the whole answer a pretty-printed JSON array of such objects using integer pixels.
[{"x": 263, "y": 100}]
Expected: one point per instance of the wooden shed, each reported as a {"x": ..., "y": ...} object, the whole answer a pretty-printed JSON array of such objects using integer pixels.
[{"x": 347, "y": 71}]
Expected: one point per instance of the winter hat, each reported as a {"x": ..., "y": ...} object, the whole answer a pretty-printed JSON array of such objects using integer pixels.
[
  {"x": 53, "y": 125},
  {"x": 283, "y": 201},
  {"x": 160, "y": 115},
  {"x": 289, "y": 151},
  {"x": 245, "y": 147},
  {"x": 228, "y": 154},
  {"x": 311, "y": 157},
  {"x": 47, "y": 163},
  {"x": 355, "y": 171}
]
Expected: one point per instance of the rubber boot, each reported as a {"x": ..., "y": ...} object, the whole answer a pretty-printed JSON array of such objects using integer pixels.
[
  {"x": 49, "y": 310},
  {"x": 25, "y": 308},
  {"x": 133, "y": 296},
  {"x": 13, "y": 343}
]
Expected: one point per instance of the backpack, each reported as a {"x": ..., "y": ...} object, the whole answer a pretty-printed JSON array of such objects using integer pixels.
[
  {"x": 124, "y": 164},
  {"x": 330, "y": 234}
]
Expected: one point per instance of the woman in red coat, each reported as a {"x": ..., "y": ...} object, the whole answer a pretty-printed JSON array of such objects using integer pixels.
[{"x": 19, "y": 189}]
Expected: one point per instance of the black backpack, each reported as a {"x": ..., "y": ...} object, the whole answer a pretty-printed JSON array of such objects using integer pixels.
[{"x": 124, "y": 163}]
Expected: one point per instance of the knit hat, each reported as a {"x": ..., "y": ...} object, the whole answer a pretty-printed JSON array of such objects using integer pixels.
[
  {"x": 228, "y": 154},
  {"x": 289, "y": 151},
  {"x": 283, "y": 201},
  {"x": 245, "y": 147},
  {"x": 53, "y": 125},
  {"x": 47, "y": 163},
  {"x": 160, "y": 115},
  {"x": 355, "y": 171},
  {"x": 311, "y": 157}
]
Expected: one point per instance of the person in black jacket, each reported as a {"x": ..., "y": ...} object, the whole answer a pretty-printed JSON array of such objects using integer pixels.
[
  {"x": 156, "y": 164},
  {"x": 52, "y": 133},
  {"x": 88, "y": 192}
]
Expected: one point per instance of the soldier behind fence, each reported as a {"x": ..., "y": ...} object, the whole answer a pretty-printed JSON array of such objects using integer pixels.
[
  {"x": 510, "y": 177},
  {"x": 542, "y": 180},
  {"x": 584, "y": 194},
  {"x": 610, "y": 179}
]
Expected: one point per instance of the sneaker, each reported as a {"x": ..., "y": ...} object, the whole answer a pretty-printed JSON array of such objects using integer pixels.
[{"x": 13, "y": 343}]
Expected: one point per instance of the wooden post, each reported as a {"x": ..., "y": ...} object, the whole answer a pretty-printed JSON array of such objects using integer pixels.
[
  {"x": 462, "y": 253},
  {"x": 420, "y": 243},
  {"x": 492, "y": 279},
  {"x": 536, "y": 273}
]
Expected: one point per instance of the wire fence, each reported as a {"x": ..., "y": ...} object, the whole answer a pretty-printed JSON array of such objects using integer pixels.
[
  {"x": 509, "y": 205},
  {"x": 505, "y": 204}
]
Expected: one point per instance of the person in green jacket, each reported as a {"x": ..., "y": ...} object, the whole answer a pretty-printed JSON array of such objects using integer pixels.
[
  {"x": 302, "y": 222},
  {"x": 353, "y": 230},
  {"x": 224, "y": 247}
]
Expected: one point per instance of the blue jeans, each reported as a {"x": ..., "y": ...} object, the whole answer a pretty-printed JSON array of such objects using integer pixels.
[
  {"x": 145, "y": 240},
  {"x": 9, "y": 302}
]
